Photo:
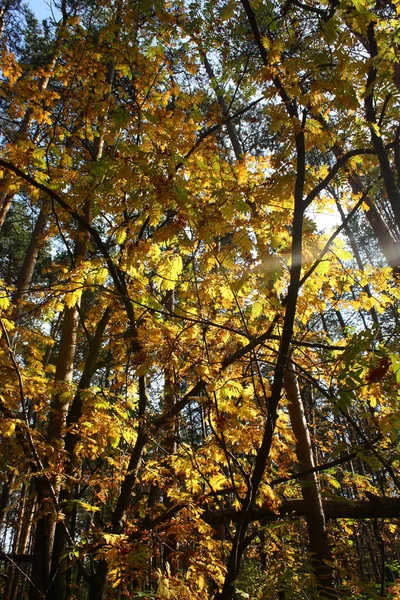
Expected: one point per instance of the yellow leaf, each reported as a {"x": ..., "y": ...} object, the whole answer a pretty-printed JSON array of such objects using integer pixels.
[
  {"x": 121, "y": 236},
  {"x": 8, "y": 428},
  {"x": 170, "y": 271},
  {"x": 257, "y": 309},
  {"x": 4, "y": 301},
  {"x": 71, "y": 298},
  {"x": 217, "y": 481},
  {"x": 66, "y": 160},
  {"x": 101, "y": 276}
]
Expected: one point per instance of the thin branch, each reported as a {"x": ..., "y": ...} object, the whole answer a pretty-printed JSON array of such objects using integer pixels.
[
  {"x": 25, "y": 575},
  {"x": 333, "y": 237},
  {"x": 334, "y": 171}
]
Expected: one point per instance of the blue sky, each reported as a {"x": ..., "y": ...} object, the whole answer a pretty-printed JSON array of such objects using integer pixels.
[{"x": 42, "y": 8}]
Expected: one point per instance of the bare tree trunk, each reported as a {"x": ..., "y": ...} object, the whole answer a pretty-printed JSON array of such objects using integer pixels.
[
  {"x": 46, "y": 524},
  {"x": 388, "y": 242},
  {"x": 315, "y": 517},
  {"x": 387, "y": 239},
  {"x": 58, "y": 565},
  {"x": 5, "y": 203},
  {"x": 5, "y": 496},
  {"x": 387, "y": 172},
  {"x": 22, "y": 538},
  {"x": 30, "y": 258}
]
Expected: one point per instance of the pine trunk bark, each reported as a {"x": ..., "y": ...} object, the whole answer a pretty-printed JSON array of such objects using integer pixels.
[
  {"x": 30, "y": 258},
  {"x": 46, "y": 524},
  {"x": 315, "y": 517},
  {"x": 43, "y": 539},
  {"x": 59, "y": 564},
  {"x": 5, "y": 203}
]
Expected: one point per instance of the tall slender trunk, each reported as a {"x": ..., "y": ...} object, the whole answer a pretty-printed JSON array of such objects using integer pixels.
[
  {"x": 30, "y": 258},
  {"x": 387, "y": 239},
  {"x": 21, "y": 542},
  {"x": 5, "y": 496},
  {"x": 46, "y": 524},
  {"x": 387, "y": 172},
  {"x": 59, "y": 564},
  {"x": 42, "y": 547},
  {"x": 315, "y": 517},
  {"x": 5, "y": 202}
]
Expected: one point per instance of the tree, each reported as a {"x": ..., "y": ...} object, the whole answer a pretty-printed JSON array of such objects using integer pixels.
[{"x": 194, "y": 365}]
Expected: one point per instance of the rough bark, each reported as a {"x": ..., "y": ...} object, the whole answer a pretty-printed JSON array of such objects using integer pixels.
[
  {"x": 315, "y": 517},
  {"x": 46, "y": 524},
  {"x": 388, "y": 174},
  {"x": 58, "y": 564},
  {"x": 42, "y": 547},
  {"x": 31, "y": 254},
  {"x": 5, "y": 203}
]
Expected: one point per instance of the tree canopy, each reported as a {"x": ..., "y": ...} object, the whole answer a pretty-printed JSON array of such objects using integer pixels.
[{"x": 200, "y": 244}]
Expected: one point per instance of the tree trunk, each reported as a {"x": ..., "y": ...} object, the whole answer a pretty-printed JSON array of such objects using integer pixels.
[
  {"x": 5, "y": 496},
  {"x": 58, "y": 564},
  {"x": 315, "y": 517},
  {"x": 387, "y": 241},
  {"x": 46, "y": 524},
  {"x": 42, "y": 547},
  {"x": 29, "y": 263},
  {"x": 5, "y": 203},
  {"x": 387, "y": 172},
  {"x": 22, "y": 539}
]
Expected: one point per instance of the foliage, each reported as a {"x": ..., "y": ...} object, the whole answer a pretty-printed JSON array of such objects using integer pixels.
[{"x": 146, "y": 413}]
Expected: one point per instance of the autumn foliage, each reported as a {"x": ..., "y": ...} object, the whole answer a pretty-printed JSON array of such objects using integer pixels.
[
  {"x": 379, "y": 372},
  {"x": 200, "y": 217}
]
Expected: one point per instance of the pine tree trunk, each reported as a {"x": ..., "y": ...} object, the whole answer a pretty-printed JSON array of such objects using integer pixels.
[
  {"x": 42, "y": 547},
  {"x": 5, "y": 203},
  {"x": 22, "y": 539},
  {"x": 31, "y": 254},
  {"x": 46, "y": 524},
  {"x": 315, "y": 517},
  {"x": 59, "y": 564}
]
